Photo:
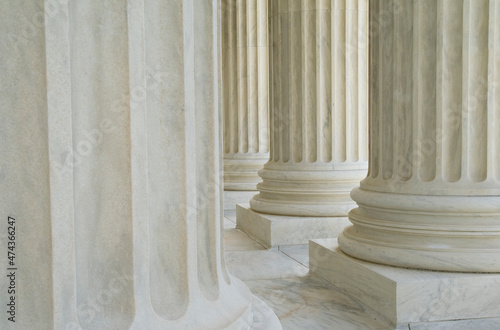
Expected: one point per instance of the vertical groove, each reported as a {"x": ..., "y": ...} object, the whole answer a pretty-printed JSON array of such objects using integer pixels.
[
  {"x": 310, "y": 87},
  {"x": 103, "y": 225},
  {"x": 285, "y": 127},
  {"x": 252, "y": 77},
  {"x": 226, "y": 69},
  {"x": 465, "y": 95},
  {"x": 402, "y": 162},
  {"x": 494, "y": 91},
  {"x": 206, "y": 160},
  {"x": 439, "y": 89},
  {"x": 374, "y": 90},
  {"x": 242, "y": 48},
  {"x": 263, "y": 76},
  {"x": 426, "y": 89},
  {"x": 352, "y": 73},
  {"x": 233, "y": 78},
  {"x": 387, "y": 96},
  {"x": 272, "y": 68},
  {"x": 362, "y": 84},
  {"x": 168, "y": 203},
  {"x": 339, "y": 85},
  {"x": 323, "y": 68},
  {"x": 478, "y": 82},
  {"x": 296, "y": 97},
  {"x": 273, "y": 64},
  {"x": 451, "y": 90}
]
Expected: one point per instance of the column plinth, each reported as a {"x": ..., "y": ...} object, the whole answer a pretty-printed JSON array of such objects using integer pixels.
[{"x": 431, "y": 199}]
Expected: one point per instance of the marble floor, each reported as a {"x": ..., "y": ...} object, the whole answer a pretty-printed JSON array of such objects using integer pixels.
[{"x": 280, "y": 277}]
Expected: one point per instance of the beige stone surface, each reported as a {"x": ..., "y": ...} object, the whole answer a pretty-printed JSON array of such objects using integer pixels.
[
  {"x": 407, "y": 295},
  {"x": 109, "y": 162}
]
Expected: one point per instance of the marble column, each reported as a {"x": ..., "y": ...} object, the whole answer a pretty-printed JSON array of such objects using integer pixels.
[
  {"x": 245, "y": 85},
  {"x": 432, "y": 196},
  {"x": 319, "y": 94},
  {"x": 110, "y": 168},
  {"x": 426, "y": 232},
  {"x": 318, "y": 112}
]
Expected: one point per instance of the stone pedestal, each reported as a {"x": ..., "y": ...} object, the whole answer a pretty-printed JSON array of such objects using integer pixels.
[
  {"x": 405, "y": 295},
  {"x": 110, "y": 159},
  {"x": 431, "y": 200},
  {"x": 275, "y": 230},
  {"x": 245, "y": 89}
]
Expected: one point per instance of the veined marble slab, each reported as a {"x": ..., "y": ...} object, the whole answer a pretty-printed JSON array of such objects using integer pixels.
[
  {"x": 404, "y": 295},
  {"x": 273, "y": 230},
  {"x": 312, "y": 303}
]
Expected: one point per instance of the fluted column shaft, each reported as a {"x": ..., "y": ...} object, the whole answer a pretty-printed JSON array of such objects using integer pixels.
[
  {"x": 245, "y": 88},
  {"x": 319, "y": 80},
  {"x": 110, "y": 155},
  {"x": 432, "y": 196}
]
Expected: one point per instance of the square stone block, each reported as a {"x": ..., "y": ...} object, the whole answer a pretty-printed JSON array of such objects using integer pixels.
[
  {"x": 407, "y": 295},
  {"x": 274, "y": 230}
]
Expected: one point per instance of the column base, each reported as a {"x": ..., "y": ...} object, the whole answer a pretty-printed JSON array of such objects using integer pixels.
[
  {"x": 442, "y": 233},
  {"x": 312, "y": 190},
  {"x": 274, "y": 230},
  {"x": 231, "y": 198},
  {"x": 404, "y": 295}
]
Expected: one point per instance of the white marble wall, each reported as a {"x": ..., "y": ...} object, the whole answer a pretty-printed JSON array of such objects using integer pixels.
[
  {"x": 245, "y": 88},
  {"x": 318, "y": 96},
  {"x": 110, "y": 165},
  {"x": 432, "y": 196}
]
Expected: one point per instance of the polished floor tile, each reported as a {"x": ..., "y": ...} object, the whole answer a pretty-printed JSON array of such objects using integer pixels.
[
  {"x": 266, "y": 264},
  {"x": 311, "y": 303},
  {"x": 236, "y": 240},
  {"x": 230, "y": 214},
  {"x": 228, "y": 224},
  {"x": 299, "y": 253}
]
